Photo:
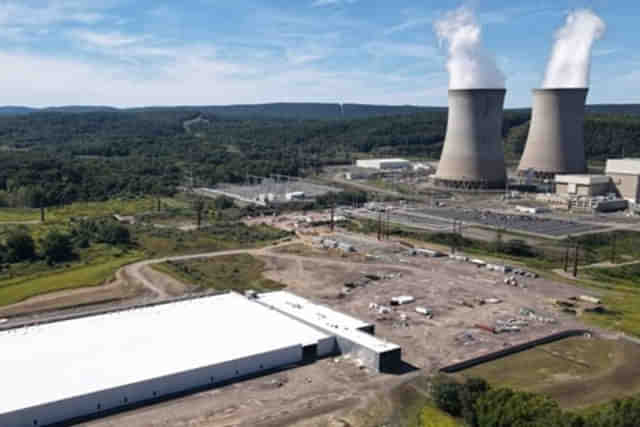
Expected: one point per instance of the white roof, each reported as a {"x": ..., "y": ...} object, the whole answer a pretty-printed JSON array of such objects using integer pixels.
[
  {"x": 624, "y": 166},
  {"x": 382, "y": 160},
  {"x": 61, "y": 360},
  {"x": 324, "y": 317},
  {"x": 582, "y": 179}
]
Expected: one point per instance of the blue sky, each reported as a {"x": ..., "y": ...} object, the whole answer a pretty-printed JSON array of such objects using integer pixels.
[{"x": 198, "y": 52}]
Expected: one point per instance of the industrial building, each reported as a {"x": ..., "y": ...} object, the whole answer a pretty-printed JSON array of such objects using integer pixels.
[
  {"x": 555, "y": 144},
  {"x": 64, "y": 370},
  {"x": 583, "y": 185},
  {"x": 352, "y": 335},
  {"x": 384, "y": 164},
  {"x": 473, "y": 156},
  {"x": 625, "y": 175}
]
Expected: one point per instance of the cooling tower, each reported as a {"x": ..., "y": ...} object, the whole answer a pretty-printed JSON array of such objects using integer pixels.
[
  {"x": 472, "y": 156},
  {"x": 555, "y": 144}
]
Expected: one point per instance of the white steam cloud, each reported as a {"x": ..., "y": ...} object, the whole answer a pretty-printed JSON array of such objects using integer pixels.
[
  {"x": 469, "y": 65},
  {"x": 571, "y": 56}
]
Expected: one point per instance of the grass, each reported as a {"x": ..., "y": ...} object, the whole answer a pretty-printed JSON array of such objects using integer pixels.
[
  {"x": 217, "y": 237},
  {"x": 576, "y": 372},
  {"x": 18, "y": 215},
  {"x": 621, "y": 296},
  {"x": 224, "y": 273},
  {"x": 96, "y": 264},
  {"x": 431, "y": 416},
  {"x": 76, "y": 276}
]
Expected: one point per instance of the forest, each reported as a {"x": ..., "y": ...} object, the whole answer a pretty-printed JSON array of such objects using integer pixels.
[{"x": 55, "y": 157}]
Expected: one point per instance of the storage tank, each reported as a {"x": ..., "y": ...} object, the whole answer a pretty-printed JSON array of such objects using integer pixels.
[
  {"x": 555, "y": 144},
  {"x": 473, "y": 156}
]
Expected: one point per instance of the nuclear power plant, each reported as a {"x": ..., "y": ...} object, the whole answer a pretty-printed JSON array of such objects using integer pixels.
[
  {"x": 555, "y": 144},
  {"x": 472, "y": 156}
]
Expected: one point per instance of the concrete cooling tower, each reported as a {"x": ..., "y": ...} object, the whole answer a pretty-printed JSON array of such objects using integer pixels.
[
  {"x": 555, "y": 144},
  {"x": 472, "y": 156}
]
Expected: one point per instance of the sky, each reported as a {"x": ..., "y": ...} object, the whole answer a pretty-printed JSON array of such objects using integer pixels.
[{"x": 215, "y": 52}]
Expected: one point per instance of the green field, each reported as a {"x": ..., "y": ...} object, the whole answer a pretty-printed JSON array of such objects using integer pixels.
[
  {"x": 621, "y": 287},
  {"x": 76, "y": 276},
  {"x": 577, "y": 372},
  {"x": 18, "y": 215},
  {"x": 93, "y": 265},
  {"x": 224, "y": 273}
]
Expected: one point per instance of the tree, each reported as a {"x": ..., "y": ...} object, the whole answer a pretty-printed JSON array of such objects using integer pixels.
[
  {"x": 199, "y": 206},
  {"x": 20, "y": 247},
  {"x": 620, "y": 413},
  {"x": 508, "y": 408},
  {"x": 223, "y": 202},
  {"x": 114, "y": 234},
  {"x": 57, "y": 247},
  {"x": 446, "y": 395},
  {"x": 473, "y": 389}
]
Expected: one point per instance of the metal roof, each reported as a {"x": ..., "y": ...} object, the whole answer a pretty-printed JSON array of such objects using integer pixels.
[
  {"x": 60, "y": 360},
  {"x": 325, "y": 318},
  {"x": 627, "y": 166}
]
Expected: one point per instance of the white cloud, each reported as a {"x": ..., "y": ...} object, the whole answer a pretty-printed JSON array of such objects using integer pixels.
[
  {"x": 30, "y": 13},
  {"x": 196, "y": 79},
  {"x": 320, "y": 3},
  {"x": 105, "y": 40},
  {"x": 408, "y": 50},
  {"x": 409, "y": 24}
]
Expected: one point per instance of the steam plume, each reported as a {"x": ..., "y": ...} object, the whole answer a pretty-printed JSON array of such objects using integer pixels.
[
  {"x": 571, "y": 56},
  {"x": 469, "y": 65}
]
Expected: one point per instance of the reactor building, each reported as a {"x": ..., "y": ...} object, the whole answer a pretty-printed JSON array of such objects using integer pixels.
[
  {"x": 473, "y": 155},
  {"x": 555, "y": 144}
]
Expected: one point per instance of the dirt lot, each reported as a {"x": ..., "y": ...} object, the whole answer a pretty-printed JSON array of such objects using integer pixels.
[
  {"x": 449, "y": 288},
  {"x": 328, "y": 393}
]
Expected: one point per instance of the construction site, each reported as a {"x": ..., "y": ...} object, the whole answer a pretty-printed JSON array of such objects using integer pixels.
[{"x": 439, "y": 308}]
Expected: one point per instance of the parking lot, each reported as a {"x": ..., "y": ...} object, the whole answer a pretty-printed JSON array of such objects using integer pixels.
[{"x": 523, "y": 223}]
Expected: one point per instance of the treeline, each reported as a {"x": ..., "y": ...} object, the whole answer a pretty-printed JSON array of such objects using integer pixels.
[
  {"x": 605, "y": 136},
  {"x": 56, "y": 158},
  {"x": 58, "y": 246},
  {"x": 480, "y": 405}
]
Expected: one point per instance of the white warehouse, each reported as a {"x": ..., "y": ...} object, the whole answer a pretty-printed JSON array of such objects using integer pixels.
[
  {"x": 384, "y": 164},
  {"x": 63, "y": 370}
]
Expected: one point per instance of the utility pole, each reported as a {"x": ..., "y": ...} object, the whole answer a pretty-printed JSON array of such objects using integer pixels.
[
  {"x": 333, "y": 212},
  {"x": 575, "y": 261},
  {"x": 566, "y": 253},
  {"x": 613, "y": 248},
  {"x": 388, "y": 225},
  {"x": 379, "y": 225}
]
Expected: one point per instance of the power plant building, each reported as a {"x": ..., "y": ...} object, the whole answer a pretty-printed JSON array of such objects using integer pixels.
[
  {"x": 555, "y": 144},
  {"x": 65, "y": 370},
  {"x": 383, "y": 164},
  {"x": 625, "y": 174},
  {"x": 473, "y": 155},
  {"x": 582, "y": 185}
]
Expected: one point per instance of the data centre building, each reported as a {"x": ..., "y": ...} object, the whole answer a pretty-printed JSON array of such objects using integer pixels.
[
  {"x": 65, "y": 370},
  {"x": 85, "y": 367}
]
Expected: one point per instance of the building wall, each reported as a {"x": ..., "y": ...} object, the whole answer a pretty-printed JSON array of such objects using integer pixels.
[
  {"x": 627, "y": 185},
  {"x": 583, "y": 190},
  {"x": 394, "y": 165},
  {"x": 121, "y": 397}
]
